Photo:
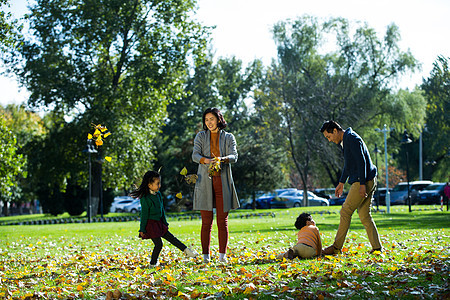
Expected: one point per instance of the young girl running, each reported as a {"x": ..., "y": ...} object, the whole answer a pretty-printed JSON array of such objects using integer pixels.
[{"x": 154, "y": 225}]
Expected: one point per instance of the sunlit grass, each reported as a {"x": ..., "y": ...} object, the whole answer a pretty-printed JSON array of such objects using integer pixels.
[{"x": 90, "y": 260}]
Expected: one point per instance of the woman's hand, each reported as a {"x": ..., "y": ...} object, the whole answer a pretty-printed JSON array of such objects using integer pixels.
[{"x": 141, "y": 234}]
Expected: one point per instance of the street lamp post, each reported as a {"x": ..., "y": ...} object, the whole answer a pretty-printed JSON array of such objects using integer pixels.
[
  {"x": 376, "y": 150},
  {"x": 385, "y": 130},
  {"x": 405, "y": 141},
  {"x": 90, "y": 149}
]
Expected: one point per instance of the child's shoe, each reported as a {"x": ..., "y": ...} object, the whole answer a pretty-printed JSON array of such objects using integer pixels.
[
  {"x": 206, "y": 258},
  {"x": 153, "y": 265},
  {"x": 190, "y": 253},
  {"x": 223, "y": 258}
]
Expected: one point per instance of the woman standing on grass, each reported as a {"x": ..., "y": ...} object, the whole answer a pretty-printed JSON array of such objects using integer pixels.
[{"x": 214, "y": 151}]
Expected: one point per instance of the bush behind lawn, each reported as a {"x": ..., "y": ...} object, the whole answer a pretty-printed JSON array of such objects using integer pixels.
[{"x": 98, "y": 260}]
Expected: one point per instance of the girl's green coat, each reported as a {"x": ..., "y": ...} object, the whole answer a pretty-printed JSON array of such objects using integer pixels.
[{"x": 152, "y": 208}]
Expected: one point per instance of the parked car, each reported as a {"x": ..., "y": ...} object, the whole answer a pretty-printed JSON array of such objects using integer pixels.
[
  {"x": 294, "y": 198},
  {"x": 338, "y": 200},
  {"x": 133, "y": 207},
  {"x": 247, "y": 203},
  {"x": 382, "y": 195},
  {"x": 119, "y": 203},
  {"x": 431, "y": 194},
  {"x": 265, "y": 200},
  {"x": 399, "y": 194}
]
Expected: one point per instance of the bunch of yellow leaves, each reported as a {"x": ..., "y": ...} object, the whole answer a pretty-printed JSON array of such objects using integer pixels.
[
  {"x": 214, "y": 166},
  {"x": 100, "y": 133}
]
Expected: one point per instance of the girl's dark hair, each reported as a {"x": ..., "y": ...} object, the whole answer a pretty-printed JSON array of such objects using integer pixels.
[
  {"x": 329, "y": 126},
  {"x": 221, "y": 123},
  {"x": 143, "y": 189},
  {"x": 302, "y": 219}
]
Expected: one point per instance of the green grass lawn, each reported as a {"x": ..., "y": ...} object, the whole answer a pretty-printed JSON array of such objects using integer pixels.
[{"x": 98, "y": 260}]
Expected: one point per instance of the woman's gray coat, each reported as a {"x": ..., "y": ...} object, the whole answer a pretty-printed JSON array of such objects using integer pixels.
[{"x": 203, "y": 192}]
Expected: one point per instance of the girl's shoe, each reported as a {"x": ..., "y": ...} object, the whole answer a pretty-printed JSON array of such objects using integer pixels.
[
  {"x": 190, "y": 253},
  {"x": 223, "y": 260},
  {"x": 154, "y": 265}
]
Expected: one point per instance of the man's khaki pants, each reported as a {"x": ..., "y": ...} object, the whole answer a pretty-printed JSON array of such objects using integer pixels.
[{"x": 353, "y": 202}]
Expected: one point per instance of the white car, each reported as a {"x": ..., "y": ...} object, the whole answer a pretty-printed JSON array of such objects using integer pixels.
[
  {"x": 133, "y": 207},
  {"x": 119, "y": 203},
  {"x": 294, "y": 198}
]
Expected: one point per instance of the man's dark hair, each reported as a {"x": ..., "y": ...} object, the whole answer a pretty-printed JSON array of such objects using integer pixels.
[
  {"x": 302, "y": 219},
  {"x": 329, "y": 126}
]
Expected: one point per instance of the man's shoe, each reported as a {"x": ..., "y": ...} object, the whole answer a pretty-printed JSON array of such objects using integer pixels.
[
  {"x": 290, "y": 254},
  {"x": 330, "y": 250},
  {"x": 190, "y": 253}
]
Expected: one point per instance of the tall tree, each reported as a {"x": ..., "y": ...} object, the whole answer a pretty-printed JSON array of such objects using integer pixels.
[
  {"x": 225, "y": 84},
  {"x": 436, "y": 137},
  {"x": 118, "y": 63},
  {"x": 306, "y": 87},
  {"x": 11, "y": 165}
]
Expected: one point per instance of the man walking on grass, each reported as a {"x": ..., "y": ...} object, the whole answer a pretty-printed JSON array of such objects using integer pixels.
[{"x": 361, "y": 174}]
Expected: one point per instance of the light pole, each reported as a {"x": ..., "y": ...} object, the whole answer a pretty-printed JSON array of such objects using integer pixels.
[
  {"x": 90, "y": 149},
  {"x": 376, "y": 150},
  {"x": 405, "y": 141},
  {"x": 385, "y": 130}
]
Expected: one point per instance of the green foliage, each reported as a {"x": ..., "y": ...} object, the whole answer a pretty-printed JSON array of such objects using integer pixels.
[
  {"x": 11, "y": 163},
  {"x": 348, "y": 83},
  {"x": 9, "y": 30},
  {"x": 118, "y": 63},
  {"x": 225, "y": 85},
  {"x": 436, "y": 136}
]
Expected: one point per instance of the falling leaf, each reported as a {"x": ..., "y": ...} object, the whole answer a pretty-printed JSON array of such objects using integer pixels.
[
  {"x": 191, "y": 179},
  {"x": 179, "y": 196},
  {"x": 108, "y": 158},
  {"x": 184, "y": 171}
]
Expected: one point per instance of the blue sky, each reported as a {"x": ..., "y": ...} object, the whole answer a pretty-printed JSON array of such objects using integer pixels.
[{"x": 243, "y": 28}]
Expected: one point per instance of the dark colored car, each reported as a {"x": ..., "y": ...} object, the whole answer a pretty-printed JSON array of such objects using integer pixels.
[
  {"x": 338, "y": 200},
  {"x": 326, "y": 193},
  {"x": 265, "y": 200},
  {"x": 399, "y": 194},
  {"x": 381, "y": 193},
  {"x": 431, "y": 194}
]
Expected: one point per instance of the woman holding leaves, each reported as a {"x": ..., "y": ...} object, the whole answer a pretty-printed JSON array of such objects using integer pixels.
[{"x": 214, "y": 151}]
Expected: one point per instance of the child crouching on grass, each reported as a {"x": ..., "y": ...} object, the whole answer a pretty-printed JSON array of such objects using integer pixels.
[
  {"x": 309, "y": 243},
  {"x": 154, "y": 225}
]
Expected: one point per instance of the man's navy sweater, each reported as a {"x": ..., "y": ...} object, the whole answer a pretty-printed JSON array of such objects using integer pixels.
[{"x": 358, "y": 166}]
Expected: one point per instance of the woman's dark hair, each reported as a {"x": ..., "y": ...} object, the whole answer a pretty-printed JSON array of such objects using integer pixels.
[
  {"x": 302, "y": 219},
  {"x": 143, "y": 189},
  {"x": 221, "y": 123},
  {"x": 329, "y": 126}
]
